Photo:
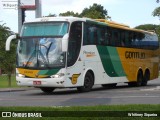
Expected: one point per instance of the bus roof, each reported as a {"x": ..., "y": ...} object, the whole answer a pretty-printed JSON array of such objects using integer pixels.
[
  {"x": 49, "y": 19},
  {"x": 104, "y": 21},
  {"x": 122, "y": 26}
]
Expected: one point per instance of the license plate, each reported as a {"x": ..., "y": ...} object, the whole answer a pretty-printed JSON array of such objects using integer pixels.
[{"x": 36, "y": 82}]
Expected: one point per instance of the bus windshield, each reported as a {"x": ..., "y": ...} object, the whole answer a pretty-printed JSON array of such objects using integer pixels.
[
  {"x": 44, "y": 29},
  {"x": 40, "y": 53},
  {"x": 40, "y": 46}
]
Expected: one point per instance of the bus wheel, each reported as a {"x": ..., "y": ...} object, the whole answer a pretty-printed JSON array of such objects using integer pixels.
[
  {"x": 146, "y": 78},
  {"x": 109, "y": 85},
  {"x": 47, "y": 89},
  {"x": 139, "y": 79},
  {"x": 88, "y": 83}
]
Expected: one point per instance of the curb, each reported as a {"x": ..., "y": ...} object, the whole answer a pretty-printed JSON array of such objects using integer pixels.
[{"x": 14, "y": 89}]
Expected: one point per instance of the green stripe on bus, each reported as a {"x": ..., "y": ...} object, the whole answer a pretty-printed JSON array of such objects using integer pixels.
[
  {"x": 106, "y": 61},
  {"x": 48, "y": 72},
  {"x": 116, "y": 62},
  {"x": 111, "y": 61}
]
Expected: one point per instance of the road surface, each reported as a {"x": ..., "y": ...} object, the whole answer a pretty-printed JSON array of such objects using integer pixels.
[{"x": 122, "y": 94}]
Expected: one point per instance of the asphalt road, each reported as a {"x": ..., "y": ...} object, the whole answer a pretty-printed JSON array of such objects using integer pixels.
[{"x": 122, "y": 94}]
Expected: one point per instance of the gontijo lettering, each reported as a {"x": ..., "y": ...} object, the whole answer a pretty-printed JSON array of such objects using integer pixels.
[{"x": 134, "y": 55}]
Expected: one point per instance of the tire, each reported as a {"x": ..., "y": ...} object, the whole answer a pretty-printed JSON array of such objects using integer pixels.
[
  {"x": 88, "y": 83},
  {"x": 47, "y": 89},
  {"x": 109, "y": 85},
  {"x": 146, "y": 78},
  {"x": 139, "y": 80}
]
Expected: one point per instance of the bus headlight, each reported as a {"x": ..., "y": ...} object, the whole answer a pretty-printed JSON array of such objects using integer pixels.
[
  {"x": 57, "y": 75},
  {"x": 20, "y": 75}
]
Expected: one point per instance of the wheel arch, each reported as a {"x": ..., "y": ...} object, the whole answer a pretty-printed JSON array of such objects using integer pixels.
[
  {"x": 91, "y": 71},
  {"x": 140, "y": 70},
  {"x": 147, "y": 71}
]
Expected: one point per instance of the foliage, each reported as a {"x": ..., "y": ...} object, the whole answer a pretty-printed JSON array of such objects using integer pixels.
[
  {"x": 96, "y": 11},
  {"x": 7, "y": 59},
  {"x": 156, "y": 28},
  {"x": 118, "y": 112},
  {"x": 51, "y": 15},
  {"x": 69, "y": 13},
  {"x": 156, "y": 12},
  {"x": 4, "y": 81}
]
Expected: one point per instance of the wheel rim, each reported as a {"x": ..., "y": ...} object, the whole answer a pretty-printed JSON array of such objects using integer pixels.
[{"x": 87, "y": 82}]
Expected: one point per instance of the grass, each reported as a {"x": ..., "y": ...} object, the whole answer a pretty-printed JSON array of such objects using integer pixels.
[
  {"x": 109, "y": 112},
  {"x": 4, "y": 81}
]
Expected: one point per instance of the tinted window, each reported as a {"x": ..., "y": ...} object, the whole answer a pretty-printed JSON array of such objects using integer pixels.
[
  {"x": 97, "y": 34},
  {"x": 74, "y": 44}
]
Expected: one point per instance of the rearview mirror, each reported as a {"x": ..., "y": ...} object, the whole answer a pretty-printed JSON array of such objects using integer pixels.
[
  {"x": 65, "y": 43},
  {"x": 8, "y": 41}
]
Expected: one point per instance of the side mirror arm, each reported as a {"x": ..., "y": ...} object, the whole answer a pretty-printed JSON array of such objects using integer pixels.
[{"x": 8, "y": 41}]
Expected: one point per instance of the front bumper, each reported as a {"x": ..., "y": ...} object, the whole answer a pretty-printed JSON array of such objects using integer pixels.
[{"x": 45, "y": 82}]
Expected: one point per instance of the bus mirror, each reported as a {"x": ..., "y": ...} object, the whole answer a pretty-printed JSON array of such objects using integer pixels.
[
  {"x": 65, "y": 43},
  {"x": 8, "y": 41}
]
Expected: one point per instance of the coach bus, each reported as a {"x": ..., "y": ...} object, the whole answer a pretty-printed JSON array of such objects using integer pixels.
[{"x": 71, "y": 52}]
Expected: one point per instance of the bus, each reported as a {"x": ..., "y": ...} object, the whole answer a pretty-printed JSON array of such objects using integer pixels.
[{"x": 72, "y": 52}]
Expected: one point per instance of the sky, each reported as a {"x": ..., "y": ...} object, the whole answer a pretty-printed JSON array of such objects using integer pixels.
[{"x": 130, "y": 12}]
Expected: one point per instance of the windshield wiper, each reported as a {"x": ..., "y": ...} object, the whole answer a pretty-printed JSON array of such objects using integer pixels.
[{"x": 34, "y": 54}]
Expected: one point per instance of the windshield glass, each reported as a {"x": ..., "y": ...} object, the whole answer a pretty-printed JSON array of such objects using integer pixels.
[
  {"x": 44, "y": 29},
  {"x": 40, "y": 45},
  {"x": 40, "y": 53}
]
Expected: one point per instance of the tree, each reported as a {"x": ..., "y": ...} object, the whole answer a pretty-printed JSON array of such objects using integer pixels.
[
  {"x": 69, "y": 13},
  {"x": 156, "y": 12},
  {"x": 51, "y": 15},
  {"x": 7, "y": 59},
  {"x": 95, "y": 12},
  {"x": 156, "y": 28}
]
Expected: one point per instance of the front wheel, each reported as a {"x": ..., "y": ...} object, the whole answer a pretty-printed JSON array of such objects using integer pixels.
[
  {"x": 47, "y": 89},
  {"x": 88, "y": 83}
]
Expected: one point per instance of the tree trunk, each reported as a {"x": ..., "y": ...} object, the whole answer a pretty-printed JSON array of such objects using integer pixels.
[{"x": 9, "y": 79}]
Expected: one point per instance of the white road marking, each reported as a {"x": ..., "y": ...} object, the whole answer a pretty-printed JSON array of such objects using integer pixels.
[
  {"x": 151, "y": 89},
  {"x": 117, "y": 97}
]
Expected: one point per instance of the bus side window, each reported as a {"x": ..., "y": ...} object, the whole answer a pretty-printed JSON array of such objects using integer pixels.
[
  {"x": 85, "y": 38},
  {"x": 74, "y": 44},
  {"x": 102, "y": 39},
  {"x": 122, "y": 38},
  {"x": 108, "y": 36}
]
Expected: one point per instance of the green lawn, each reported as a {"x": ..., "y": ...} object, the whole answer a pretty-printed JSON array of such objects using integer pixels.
[
  {"x": 109, "y": 112},
  {"x": 4, "y": 81}
]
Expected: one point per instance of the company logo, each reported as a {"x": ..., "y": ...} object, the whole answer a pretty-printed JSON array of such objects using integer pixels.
[
  {"x": 6, "y": 114},
  {"x": 36, "y": 75},
  {"x": 89, "y": 54},
  {"x": 20, "y": 114},
  {"x": 134, "y": 55}
]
